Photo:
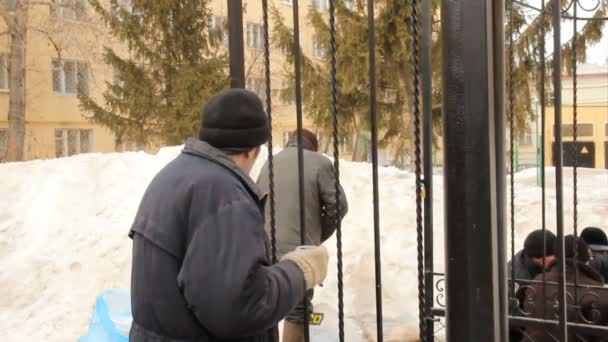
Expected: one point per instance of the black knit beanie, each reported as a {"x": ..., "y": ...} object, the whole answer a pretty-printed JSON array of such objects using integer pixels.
[
  {"x": 595, "y": 238},
  {"x": 235, "y": 120},
  {"x": 533, "y": 246}
]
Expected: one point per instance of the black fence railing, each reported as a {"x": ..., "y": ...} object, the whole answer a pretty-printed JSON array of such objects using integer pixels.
[{"x": 478, "y": 40}]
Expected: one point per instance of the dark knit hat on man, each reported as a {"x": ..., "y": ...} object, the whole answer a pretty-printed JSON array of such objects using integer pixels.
[
  {"x": 234, "y": 120},
  {"x": 581, "y": 252},
  {"x": 533, "y": 245},
  {"x": 595, "y": 238}
]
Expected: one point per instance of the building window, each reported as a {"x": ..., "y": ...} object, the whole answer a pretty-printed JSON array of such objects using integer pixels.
[
  {"x": 3, "y": 142},
  {"x": 217, "y": 24},
  {"x": 4, "y": 73},
  {"x": 287, "y": 2},
  {"x": 69, "y": 76},
  {"x": 255, "y": 36},
  {"x": 582, "y": 130},
  {"x": 318, "y": 51},
  {"x": 71, "y": 141},
  {"x": 70, "y": 9},
  {"x": 526, "y": 139},
  {"x": 321, "y": 5},
  {"x": 258, "y": 86}
]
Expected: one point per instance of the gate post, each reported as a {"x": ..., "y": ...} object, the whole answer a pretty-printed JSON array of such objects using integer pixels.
[
  {"x": 236, "y": 50},
  {"x": 474, "y": 173}
]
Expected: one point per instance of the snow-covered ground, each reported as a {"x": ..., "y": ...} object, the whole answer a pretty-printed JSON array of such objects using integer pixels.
[{"x": 64, "y": 224}]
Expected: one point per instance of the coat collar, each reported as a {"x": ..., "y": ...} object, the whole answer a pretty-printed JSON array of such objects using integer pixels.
[{"x": 204, "y": 150}]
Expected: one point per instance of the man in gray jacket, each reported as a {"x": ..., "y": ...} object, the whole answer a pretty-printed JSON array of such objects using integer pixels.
[
  {"x": 320, "y": 203},
  {"x": 201, "y": 268}
]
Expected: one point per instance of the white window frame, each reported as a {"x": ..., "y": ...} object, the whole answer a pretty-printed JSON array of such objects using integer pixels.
[
  {"x": 527, "y": 139},
  {"x": 317, "y": 49},
  {"x": 4, "y": 73},
  {"x": 64, "y": 141},
  {"x": 321, "y": 5},
  {"x": 216, "y": 22},
  {"x": 58, "y": 65},
  {"x": 255, "y": 36},
  {"x": 63, "y": 10}
]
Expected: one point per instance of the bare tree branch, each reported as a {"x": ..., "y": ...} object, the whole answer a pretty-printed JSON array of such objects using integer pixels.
[{"x": 49, "y": 36}]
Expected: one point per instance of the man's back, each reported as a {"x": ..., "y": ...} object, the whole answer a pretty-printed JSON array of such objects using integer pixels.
[
  {"x": 180, "y": 285},
  {"x": 319, "y": 192},
  {"x": 160, "y": 234}
]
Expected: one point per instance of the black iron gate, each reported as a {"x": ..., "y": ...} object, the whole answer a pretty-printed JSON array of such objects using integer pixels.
[{"x": 475, "y": 294}]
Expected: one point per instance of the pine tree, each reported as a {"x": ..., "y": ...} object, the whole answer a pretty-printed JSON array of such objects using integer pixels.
[
  {"x": 394, "y": 67},
  {"x": 393, "y": 70},
  {"x": 171, "y": 61}
]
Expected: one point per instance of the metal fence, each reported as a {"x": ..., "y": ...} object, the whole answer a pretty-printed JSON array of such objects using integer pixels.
[{"x": 475, "y": 295}]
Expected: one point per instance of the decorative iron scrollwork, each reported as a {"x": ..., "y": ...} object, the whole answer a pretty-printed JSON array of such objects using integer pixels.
[{"x": 440, "y": 297}]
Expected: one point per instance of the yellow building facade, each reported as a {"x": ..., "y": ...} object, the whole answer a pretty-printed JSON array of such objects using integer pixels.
[
  {"x": 62, "y": 52},
  {"x": 67, "y": 52},
  {"x": 592, "y": 117}
]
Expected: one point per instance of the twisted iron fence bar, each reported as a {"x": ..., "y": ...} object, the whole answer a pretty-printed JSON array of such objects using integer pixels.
[
  {"x": 427, "y": 153},
  {"x": 511, "y": 142},
  {"x": 557, "y": 90},
  {"x": 418, "y": 170},
  {"x": 336, "y": 153},
  {"x": 543, "y": 77},
  {"x": 273, "y": 228},
  {"x": 374, "y": 131},
  {"x": 298, "y": 80},
  {"x": 574, "y": 139}
]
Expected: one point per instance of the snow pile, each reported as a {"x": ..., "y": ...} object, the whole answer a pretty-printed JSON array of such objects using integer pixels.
[{"x": 64, "y": 224}]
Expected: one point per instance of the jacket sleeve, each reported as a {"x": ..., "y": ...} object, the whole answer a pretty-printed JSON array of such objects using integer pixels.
[
  {"x": 326, "y": 180},
  {"x": 226, "y": 279}
]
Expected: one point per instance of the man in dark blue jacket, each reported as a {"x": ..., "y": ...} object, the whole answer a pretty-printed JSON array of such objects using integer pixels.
[{"x": 201, "y": 264}]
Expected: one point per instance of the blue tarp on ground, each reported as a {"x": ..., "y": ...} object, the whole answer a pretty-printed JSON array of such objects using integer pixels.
[{"x": 111, "y": 319}]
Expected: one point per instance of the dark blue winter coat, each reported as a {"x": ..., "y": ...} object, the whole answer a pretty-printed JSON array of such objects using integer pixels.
[{"x": 201, "y": 265}]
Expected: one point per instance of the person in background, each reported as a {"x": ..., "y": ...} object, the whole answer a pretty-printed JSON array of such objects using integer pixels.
[
  {"x": 320, "y": 208},
  {"x": 592, "y": 302},
  {"x": 526, "y": 265},
  {"x": 598, "y": 244},
  {"x": 201, "y": 267},
  {"x": 529, "y": 262}
]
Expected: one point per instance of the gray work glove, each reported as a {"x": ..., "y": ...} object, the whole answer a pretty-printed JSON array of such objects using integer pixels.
[{"x": 312, "y": 261}]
